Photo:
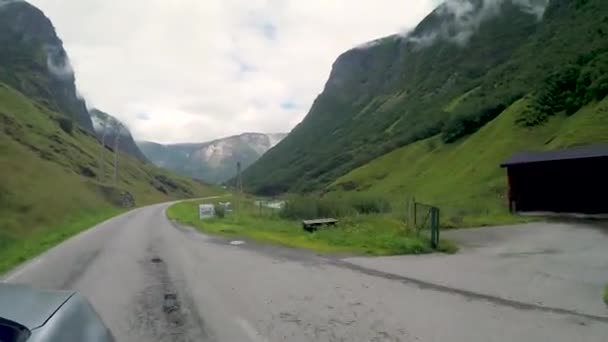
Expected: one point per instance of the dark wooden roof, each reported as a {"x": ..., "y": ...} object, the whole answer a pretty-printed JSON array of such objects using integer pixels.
[{"x": 580, "y": 152}]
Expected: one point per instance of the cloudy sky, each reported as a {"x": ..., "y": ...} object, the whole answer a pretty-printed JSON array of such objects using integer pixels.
[{"x": 196, "y": 70}]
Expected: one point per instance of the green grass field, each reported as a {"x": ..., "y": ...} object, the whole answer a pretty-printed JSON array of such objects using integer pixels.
[
  {"x": 379, "y": 234},
  {"x": 13, "y": 253},
  {"x": 51, "y": 186},
  {"x": 464, "y": 178}
]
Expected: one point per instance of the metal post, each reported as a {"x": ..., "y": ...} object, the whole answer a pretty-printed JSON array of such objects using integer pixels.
[
  {"x": 116, "y": 140},
  {"x": 435, "y": 227},
  {"x": 414, "y": 216},
  {"x": 102, "y": 171}
]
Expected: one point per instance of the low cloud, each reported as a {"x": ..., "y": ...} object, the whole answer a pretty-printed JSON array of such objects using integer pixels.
[
  {"x": 58, "y": 63},
  {"x": 466, "y": 17},
  {"x": 142, "y": 116}
]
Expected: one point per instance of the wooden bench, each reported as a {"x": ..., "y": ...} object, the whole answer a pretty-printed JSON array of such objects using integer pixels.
[{"x": 312, "y": 225}]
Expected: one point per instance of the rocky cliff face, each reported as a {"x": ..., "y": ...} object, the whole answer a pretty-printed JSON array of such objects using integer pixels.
[
  {"x": 213, "y": 161},
  {"x": 110, "y": 131},
  {"x": 33, "y": 61}
]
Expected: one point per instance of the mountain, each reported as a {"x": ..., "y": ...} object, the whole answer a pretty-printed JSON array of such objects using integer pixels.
[
  {"x": 34, "y": 62},
  {"x": 214, "y": 161},
  {"x": 57, "y": 178},
  {"x": 463, "y": 66},
  {"x": 110, "y": 131}
]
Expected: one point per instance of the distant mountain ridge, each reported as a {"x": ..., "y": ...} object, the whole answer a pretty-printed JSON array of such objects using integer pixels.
[{"x": 214, "y": 161}]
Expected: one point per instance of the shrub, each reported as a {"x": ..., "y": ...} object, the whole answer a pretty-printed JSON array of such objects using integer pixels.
[
  {"x": 220, "y": 211},
  {"x": 568, "y": 89},
  {"x": 333, "y": 207},
  {"x": 299, "y": 208},
  {"x": 309, "y": 207},
  {"x": 363, "y": 204},
  {"x": 461, "y": 126},
  {"x": 66, "y": 125}
]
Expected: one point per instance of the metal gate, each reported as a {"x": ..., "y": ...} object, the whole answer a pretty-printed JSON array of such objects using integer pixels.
[{"x": 424, "y": 217}]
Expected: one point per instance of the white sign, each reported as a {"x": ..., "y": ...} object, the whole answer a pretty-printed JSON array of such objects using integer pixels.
[
  {"x": 227, "y": 206},
  {"x": 206, "y": 211}
]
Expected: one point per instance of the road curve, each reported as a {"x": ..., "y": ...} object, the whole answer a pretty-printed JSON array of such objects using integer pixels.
[{"x": 152, "y": 280}]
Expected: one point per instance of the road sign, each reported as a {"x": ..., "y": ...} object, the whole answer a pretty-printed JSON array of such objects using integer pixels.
[{"x": 206, "y": 211}]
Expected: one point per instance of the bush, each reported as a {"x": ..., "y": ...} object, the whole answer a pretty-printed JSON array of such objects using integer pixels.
[
  {"x": 299, "y": 208},
  {"x": 467, "y": 121},
  {"x": 66, "y": 125},
  {"x": 309, "y": 207},
  {"x": 369, "y": 204},
  {"x": 220, "y": 211},
  {"x": 570, "y": 88},
  {"x": 461, "y": 126}
]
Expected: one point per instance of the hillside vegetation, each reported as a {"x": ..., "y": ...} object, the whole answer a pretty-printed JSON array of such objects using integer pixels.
[
  {"x": 444, "y": 81},
  {"x": 53, "y": 184},
  {"x": 464, "y": 178}
]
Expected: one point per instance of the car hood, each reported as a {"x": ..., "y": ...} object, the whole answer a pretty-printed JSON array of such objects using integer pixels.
[{"x": 28, "y": 306}]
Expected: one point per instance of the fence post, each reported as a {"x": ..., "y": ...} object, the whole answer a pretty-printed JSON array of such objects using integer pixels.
[
  {"x": 414, "y": 216},
  {"x": 435, "y": 227},
  {"x": 408, "y": 215}
]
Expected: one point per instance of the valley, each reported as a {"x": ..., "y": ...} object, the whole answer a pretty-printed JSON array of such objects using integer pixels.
[{"x": 386, "y": 214}]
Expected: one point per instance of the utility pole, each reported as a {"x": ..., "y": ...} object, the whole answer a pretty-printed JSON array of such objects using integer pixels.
[
  {"x": 239, "y": 179},
  {"x": 102, "y": 171},
  {"x": 116, "y": 141}
]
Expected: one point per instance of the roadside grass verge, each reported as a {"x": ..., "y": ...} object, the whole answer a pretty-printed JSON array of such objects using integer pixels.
[
  {"x": 16, "y": 251},
  {"x": 373, "y": 234}
]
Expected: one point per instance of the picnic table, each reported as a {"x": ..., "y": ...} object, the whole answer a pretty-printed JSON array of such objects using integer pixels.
[{"x": 312, "y": 225}]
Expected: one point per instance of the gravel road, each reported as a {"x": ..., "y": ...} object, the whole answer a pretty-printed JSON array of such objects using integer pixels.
[{"x": 152, "y": 280}]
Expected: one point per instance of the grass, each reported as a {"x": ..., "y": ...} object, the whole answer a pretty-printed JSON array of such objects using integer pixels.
[
  {"x": 51, "y": 186},
  {"x": 464, "y": 178},
  {"x": 606, "y": 295},
  {"x": 378, "y": 234},
  {"x": 17, "y": 252}
]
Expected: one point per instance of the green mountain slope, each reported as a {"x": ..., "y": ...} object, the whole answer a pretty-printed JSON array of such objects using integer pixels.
[
  {"x": 49, "y": 172},
  {"x": 52, "y": 173},
  {"x": 57, "y": 178},
  {"x": 450, "y": 76},
  {"x": 214, "y": 161},
  {"x": 464, "y": 178}
]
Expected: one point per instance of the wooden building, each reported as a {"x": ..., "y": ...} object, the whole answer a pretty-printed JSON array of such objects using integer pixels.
[{"x": 573, "y": 180}]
